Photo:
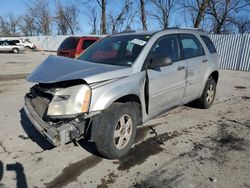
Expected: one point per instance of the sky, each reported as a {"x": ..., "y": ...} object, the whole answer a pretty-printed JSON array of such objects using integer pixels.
[
  {"x": 18, "y": 7},
  {"x": 12, "y": 5}
]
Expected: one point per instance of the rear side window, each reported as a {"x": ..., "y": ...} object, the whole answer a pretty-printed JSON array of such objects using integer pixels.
[
  {"x": 11, "y": 42},
  {"x": 209, "y": 44},
  {"x": 15, "y": 41},
  {"x": 69, "y": 43},
  {"x": 191, "y": 46},
  {"x": 87, "y": 43}
]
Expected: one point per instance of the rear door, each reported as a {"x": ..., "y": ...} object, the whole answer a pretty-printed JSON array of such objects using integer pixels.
[
  {"x": 166, "y": 85},
  {"x": 197, "y": 64}
]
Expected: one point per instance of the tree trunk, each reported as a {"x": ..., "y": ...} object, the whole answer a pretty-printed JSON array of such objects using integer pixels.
[
  {"x": 201, "y": 13},
  {"x": 143, "y": 15},
  {"x": 103, "y": 24}
]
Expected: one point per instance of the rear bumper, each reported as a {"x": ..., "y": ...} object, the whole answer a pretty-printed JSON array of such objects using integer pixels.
[{"x": 55, "y": 135}]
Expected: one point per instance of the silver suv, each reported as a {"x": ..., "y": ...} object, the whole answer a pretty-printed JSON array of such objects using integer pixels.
[
  {"x": 119, "y": 83},
  {"x": 9, "y": 46}
]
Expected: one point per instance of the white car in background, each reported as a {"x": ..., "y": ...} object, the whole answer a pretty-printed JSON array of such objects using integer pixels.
[
  {"x": 28, "y": 45},
  {"x": 10, "y": 46}
]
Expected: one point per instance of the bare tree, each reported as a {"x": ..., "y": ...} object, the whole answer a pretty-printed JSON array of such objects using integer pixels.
[
  {"x": 27, "y": 25},
  {"x": 132, "y": 14},
  {"x": 103, "y": 4},
  {"x": 10, "y": 25},
  {"x": 197, "y": 10},
  {"x": 13, "y": 24},
  {"x": 143, "y": 15},
  {"x": 67, "y": 19},
  {"x": 40, "y": 11},
  {"x": 4, "y": 32},
  {"x": 119, "y": 19},
  {"x": 163, "y": 11},
  {"x": 93, "y": 19},
  {"x": 243, "y": 25},
  {"x": 224, "y": 12}
]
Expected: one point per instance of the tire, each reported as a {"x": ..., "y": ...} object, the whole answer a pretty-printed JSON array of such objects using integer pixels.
[
  {"x": 113, "y": 138},
  {"x": 208, "y": 95},
  {"x": 15, "y": 50}
]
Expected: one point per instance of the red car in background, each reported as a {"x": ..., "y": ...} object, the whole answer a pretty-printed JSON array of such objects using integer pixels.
[{"x": 73, "y": 46}]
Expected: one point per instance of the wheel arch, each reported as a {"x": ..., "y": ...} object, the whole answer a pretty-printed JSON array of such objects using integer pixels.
[
  {"x": 215, "y": 76},
  {"x": 135, "y": 100},
  {"x": 123, "y": 99},
  {"x": 15, "y": 49}
]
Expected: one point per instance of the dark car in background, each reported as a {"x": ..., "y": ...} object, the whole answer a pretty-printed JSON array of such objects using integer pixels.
[{"x": 73, "y": 46}]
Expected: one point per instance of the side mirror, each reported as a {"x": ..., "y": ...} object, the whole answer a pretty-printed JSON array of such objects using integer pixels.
[{"x": 160, "y": 62}]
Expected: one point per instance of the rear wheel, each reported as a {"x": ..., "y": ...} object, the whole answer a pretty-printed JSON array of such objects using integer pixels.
[
  {"x": 15, "y": 50},
  {"x": 208, "y": 94},
  {"x": 116, "y": 130}
]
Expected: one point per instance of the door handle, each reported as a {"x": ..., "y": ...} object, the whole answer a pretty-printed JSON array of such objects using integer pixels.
[
  {"x": 180, "y": 68},
  {"x": 204, "y": 60}
]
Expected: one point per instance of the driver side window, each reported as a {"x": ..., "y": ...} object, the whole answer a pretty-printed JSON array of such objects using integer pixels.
[{"x": 167, "y": 47}]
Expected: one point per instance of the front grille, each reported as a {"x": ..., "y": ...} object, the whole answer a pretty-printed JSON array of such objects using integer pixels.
[
  {"x": 40, "y": 99},
  {"x": 41, "y": 106}
]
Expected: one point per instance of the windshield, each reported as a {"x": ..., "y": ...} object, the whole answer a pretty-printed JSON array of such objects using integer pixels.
[{"x": 116, "y": 50}]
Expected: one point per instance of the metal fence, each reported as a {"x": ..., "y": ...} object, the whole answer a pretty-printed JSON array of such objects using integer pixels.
[{"x": 234, "y": 50}]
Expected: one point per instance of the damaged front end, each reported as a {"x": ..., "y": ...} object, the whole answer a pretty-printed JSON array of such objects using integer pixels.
[{"x": 58, "y": 110}]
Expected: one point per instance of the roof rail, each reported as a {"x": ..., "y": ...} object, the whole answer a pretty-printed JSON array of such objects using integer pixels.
[
  {"x": 173, "y": 28},
  {"x": 191, "y": 28},
  {"x": 126, "y": 31}
]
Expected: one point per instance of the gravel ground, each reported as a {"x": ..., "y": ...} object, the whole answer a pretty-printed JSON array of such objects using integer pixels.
[{"x": 187, "y": 147}]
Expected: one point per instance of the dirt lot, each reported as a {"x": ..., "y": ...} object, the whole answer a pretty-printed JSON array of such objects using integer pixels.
[{"x": 187, "y": 147}]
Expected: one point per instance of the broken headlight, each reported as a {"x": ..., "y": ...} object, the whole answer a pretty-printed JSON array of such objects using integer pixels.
[{"x": 70, "y": 101}]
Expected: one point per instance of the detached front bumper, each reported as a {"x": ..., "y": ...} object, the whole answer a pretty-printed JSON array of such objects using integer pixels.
[{"x": 55, "y": 135}]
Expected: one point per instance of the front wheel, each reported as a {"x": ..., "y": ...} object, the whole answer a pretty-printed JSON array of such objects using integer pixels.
[
  {"x": 208, "y": 94},
  {"x": 116, "y": 130},
  {"x": 27, "y": 48}
]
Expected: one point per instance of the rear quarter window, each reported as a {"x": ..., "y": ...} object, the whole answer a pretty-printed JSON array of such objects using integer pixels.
[
  {"x": 209, "y": 44},
  {"x": 69, "y": 44}
]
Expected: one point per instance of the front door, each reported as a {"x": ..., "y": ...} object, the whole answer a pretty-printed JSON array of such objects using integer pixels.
[{"x": 166, "y": 84}]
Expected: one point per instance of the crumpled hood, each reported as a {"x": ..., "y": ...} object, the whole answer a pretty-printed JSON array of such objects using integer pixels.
[{"x": 57, "y": 69}]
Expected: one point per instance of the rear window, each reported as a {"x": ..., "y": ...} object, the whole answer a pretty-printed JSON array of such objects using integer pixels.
[
  {"x": 209, "y": 44},
  {"x": 69, "y": 44},
  {"x": 87, "y": 43}
]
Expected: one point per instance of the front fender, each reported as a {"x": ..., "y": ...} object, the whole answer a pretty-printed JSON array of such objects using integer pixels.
[{"x": 104, "y": 96}]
